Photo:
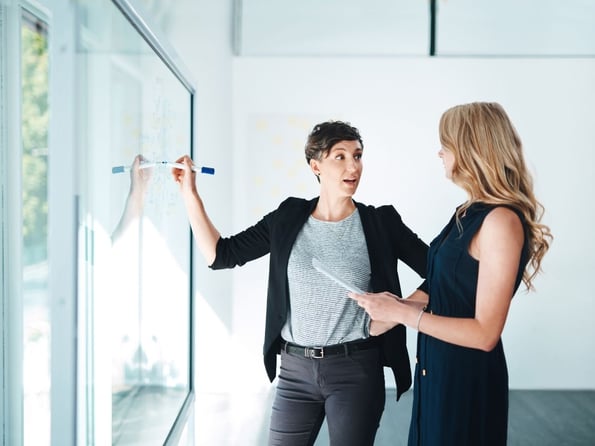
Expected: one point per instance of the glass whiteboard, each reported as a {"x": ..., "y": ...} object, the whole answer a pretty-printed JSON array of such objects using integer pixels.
[{"x": 135, "y": 243}]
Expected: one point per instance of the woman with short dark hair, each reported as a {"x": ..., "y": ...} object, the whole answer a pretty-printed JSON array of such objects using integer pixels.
[{"x": 331, "y": 360}]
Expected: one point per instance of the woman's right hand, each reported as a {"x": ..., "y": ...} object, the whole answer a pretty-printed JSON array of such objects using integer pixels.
[{"x": 185, "y": 176}]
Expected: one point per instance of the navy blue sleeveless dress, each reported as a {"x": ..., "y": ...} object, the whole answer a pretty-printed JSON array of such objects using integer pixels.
[{"x": 460, "y": 394}]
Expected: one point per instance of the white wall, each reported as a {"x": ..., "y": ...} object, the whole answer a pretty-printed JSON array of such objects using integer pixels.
[{"x": 396, "y": 104}]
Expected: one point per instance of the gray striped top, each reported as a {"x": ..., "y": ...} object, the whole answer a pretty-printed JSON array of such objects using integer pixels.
[{"x": 320, "y": 312}]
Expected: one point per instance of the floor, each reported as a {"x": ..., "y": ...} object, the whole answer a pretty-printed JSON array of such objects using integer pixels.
[
  {"x": 536, "y": 418},
  {"x": 143, "y": 415}
]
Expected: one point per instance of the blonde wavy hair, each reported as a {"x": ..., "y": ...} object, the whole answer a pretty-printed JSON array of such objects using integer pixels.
[{"x": 490, "y": 167}]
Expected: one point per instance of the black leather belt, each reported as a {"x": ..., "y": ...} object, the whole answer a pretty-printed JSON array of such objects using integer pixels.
[{"x": 329, "y": 350}]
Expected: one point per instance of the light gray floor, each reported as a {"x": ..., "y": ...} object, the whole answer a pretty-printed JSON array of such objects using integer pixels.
[
  {"x": 143, "y": 415},
  {"x": 536, "y": 418}
]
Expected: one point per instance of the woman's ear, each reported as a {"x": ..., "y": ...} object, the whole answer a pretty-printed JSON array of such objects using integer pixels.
[{"x": 315, "y": 167}]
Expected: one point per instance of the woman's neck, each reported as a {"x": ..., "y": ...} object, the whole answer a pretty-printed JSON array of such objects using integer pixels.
[{"x": 333, "y": 210}]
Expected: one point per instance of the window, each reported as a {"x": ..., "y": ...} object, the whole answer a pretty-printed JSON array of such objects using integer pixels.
[{"x": 34, "y": 214}]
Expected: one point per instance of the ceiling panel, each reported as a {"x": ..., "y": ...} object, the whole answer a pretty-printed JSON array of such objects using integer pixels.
[
  {"x": 516, "y": 28},
  {"x": 332, "y": 27}
]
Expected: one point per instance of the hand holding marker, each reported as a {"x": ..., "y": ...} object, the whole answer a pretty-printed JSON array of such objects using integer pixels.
[{"x": 148, "y": 164}]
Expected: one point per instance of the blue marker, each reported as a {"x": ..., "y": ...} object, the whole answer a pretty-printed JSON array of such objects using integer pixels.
[{"x": 199, "y": 169}]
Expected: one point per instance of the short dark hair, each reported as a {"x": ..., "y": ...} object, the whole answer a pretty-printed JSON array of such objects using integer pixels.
[{"x": 325, "y": 135}]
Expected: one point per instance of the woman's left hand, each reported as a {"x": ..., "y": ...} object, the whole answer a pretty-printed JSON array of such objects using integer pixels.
[{"x": 379, "y": 327}]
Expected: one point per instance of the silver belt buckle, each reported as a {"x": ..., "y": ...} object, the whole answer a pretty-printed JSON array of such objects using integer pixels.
[{"x": 314, "y": 352}]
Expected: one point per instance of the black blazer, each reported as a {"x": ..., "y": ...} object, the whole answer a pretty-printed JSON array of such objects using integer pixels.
[{"x": 388, "y": 240}]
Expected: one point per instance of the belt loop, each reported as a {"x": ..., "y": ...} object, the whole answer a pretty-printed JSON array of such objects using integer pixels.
[{"x": 346, "y": 348}]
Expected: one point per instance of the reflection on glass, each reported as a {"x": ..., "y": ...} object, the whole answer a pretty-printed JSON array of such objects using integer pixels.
[
  {"x": 36, "y": 326},
  {"x": 137, "y": 260}
]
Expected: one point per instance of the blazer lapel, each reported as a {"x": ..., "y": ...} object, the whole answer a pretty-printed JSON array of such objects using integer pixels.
[
  {"x": 371, "y": 243},
  {"x": 293, "y": 221}
]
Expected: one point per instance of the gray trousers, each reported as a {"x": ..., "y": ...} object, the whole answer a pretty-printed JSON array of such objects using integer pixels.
[{"x": 347, "y": 390}]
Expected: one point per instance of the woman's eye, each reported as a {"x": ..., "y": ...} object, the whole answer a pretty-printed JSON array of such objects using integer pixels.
[{"x": 358, "y": 156}]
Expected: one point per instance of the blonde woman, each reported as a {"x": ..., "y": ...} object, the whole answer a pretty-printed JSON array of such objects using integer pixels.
[{"x": 493, "y": 242}]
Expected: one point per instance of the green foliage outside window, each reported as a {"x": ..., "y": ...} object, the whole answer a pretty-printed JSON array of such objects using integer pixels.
[{"x": 35, "y": 142}]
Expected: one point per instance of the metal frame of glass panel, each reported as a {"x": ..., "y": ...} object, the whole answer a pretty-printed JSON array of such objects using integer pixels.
[
  {"x": 12, "y": 18},
  {"x": 11, "y": 314}
]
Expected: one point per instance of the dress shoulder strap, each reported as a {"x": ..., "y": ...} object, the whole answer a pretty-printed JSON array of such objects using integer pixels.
[{"x": 472, "y": 220}]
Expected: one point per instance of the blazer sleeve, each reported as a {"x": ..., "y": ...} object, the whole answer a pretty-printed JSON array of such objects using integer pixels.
[
  {"x": 250, "y": 244},
  {"x": 412, "y": 250}
]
